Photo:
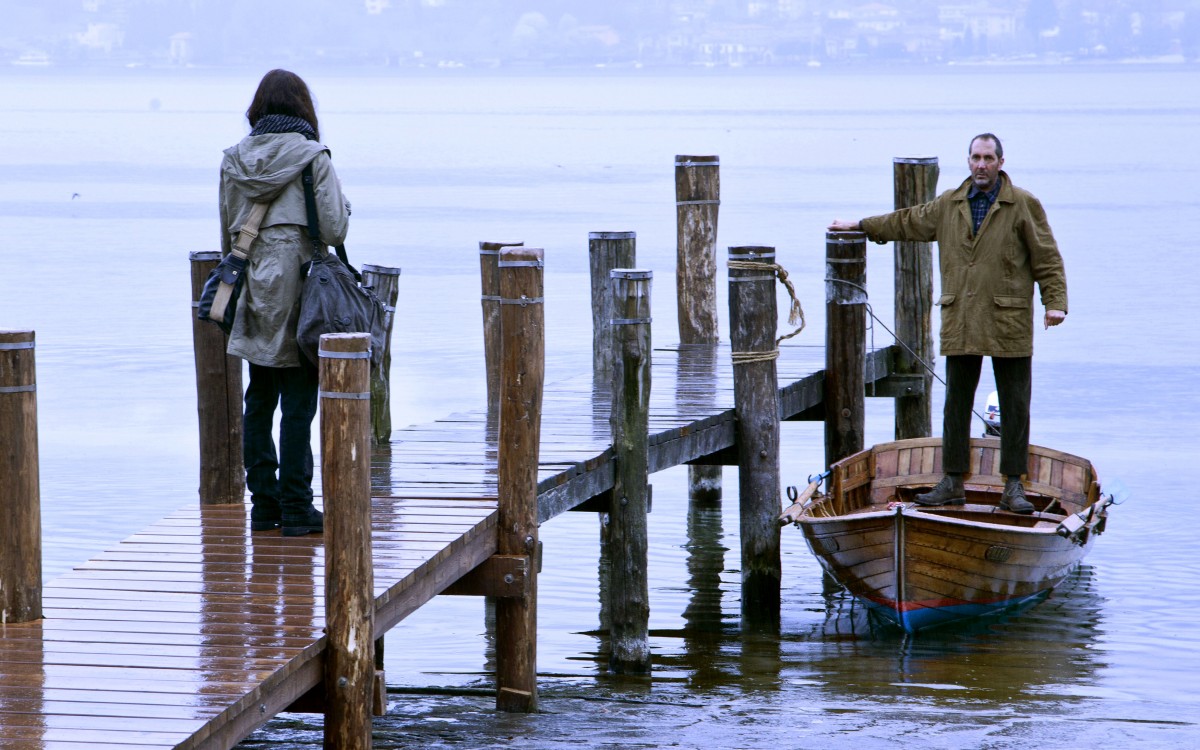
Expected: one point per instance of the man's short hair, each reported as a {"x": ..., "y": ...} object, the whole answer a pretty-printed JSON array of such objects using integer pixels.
[{"x": 991, "y": 137}]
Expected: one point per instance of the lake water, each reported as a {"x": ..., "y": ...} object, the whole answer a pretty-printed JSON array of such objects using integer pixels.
[{"x": 108, "y": 180}]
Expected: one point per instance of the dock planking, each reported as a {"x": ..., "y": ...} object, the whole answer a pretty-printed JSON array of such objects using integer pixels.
[{"x": 195, "y": 631}]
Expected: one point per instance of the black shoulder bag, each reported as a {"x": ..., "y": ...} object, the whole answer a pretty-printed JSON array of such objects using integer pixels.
[{"x": 333, "y": 299}]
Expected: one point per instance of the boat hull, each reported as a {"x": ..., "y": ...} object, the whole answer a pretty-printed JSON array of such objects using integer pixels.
[{"x": 922, "y": 567}]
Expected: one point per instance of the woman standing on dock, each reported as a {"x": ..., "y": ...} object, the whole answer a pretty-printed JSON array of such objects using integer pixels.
[{"x": 266, "y": 167}]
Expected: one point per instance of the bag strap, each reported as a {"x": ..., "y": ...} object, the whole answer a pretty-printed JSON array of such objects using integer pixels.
[
  {"x": 249, "y": 230},
  {"x": 314, "y": 235}
]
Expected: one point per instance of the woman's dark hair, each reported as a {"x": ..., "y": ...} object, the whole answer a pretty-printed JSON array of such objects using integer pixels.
[{"x": 282, "y": 92}]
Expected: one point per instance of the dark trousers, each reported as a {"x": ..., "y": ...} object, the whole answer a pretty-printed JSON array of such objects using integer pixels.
[
  {"x": 1013, "y": 378},
  {"x": 285, "y": 480}
]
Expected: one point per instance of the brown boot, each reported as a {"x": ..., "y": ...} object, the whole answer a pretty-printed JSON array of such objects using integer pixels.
[
  {"x": 1013, "y": 498},
  {"x": 949, "y": 491}
]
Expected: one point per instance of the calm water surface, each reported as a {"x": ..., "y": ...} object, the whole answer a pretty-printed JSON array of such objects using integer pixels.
[{"x": 108, "y": 181}]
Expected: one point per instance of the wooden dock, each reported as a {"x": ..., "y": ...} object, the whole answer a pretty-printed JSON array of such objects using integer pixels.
[{"x": 195, "y": 631}]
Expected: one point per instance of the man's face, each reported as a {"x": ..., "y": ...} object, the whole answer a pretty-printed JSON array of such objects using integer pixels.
[{"x": 984, "y": 164}]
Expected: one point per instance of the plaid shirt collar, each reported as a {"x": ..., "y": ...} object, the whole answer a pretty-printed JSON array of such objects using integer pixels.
[{"x": 981, "y": 202}]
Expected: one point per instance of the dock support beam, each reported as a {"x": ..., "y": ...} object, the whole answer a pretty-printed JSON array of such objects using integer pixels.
[
  {"x": 697, "y": 203},
  {"x": 20, "y": 496},
  {"x": 845, "y": 343},
  {"x": 385, "y": 280},
  {"x": 522, "y": 323},
  {"x": 218, "y": 400},
  {"x": 489, "y": 300},
  {"x": 349, "y": 581},
  {"x": 628, "y": 542},
  {"x": 753, "y": 317},
  {"x": 916, "y": 183}
]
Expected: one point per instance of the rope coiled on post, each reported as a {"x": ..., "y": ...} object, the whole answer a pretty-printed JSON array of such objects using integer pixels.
[{"x": 795, "y": 311}]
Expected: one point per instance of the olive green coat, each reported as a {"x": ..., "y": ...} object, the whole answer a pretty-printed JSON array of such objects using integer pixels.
[
  {"x": 987, "y": 279},
  {"x": 266, "y": 169}
]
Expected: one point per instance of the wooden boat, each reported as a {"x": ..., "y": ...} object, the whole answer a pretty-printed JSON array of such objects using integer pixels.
[{"x": 924, "y": 566}]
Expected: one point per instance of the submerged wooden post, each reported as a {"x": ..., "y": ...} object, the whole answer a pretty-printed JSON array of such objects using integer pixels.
[
  {"x": 753, "y": 319},
  {"x": 218, "y": 400},
  {"x": 489, "y": 276},
  {"x": 697, "y": 200},
  {"x": 845, "y": 343},
  {"x": 522, "y": 322},
  {"x": 349, "y": 582},
  {"x": 916, "y": 183},
  {"x": 629, "y": 589},
  {"x": 606, "y": 251},
  {"x": 385, "y": 280},
  {"x": 20, "y": 494}
]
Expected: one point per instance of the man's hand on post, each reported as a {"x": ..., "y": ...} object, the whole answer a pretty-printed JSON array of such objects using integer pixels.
[{"x": 840, "y": 225}]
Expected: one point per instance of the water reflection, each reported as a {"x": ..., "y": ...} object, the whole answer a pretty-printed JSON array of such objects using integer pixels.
[{"x": 1019, "y": 653}]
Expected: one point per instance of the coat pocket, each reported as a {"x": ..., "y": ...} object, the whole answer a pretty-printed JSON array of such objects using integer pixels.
[{"x": 1013, "y": 319}]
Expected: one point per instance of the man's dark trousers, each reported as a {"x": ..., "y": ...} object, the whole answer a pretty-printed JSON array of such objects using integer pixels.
[{"x": 1013, "y": 378}]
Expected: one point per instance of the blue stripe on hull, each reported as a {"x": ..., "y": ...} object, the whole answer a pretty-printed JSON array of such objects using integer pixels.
[{"x": 923, "y": 618}]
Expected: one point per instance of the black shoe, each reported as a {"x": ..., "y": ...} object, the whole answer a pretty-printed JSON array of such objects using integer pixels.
[
  {"x": 310, "y": 522},
  {"x": 265, "y": 514},
  {"x": 949, "y": 491},
  {"x": 1013, "y": 498}
]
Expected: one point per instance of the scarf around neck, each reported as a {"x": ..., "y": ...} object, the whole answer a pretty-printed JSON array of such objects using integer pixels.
[{"x": 284, "y": 124}]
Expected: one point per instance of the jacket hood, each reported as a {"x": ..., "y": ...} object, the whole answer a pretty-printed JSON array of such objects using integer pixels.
[{"x": 262, "y": 165}]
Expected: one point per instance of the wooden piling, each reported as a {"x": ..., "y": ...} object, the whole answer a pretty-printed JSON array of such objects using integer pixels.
[
  {"x": 218, "y": 400},
  {"x": 489, "y": 300},
  {"x": 915, "y": 183},
  {"x": 522, "y": 323},
  {"x": 606, "y": 251},
  {"x": 20, "y": 498},
  {"x": 385, "y": 280},
  {"x": 629, "y": 590},
  {"x": 349, "y": 583},
  {"x": 697, "y": 200},
  {"x": 753, "y": 318},
  {"x": 845, "y": 343}
]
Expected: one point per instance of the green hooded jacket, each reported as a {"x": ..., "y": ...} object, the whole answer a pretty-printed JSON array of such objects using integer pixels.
[{"x": 266, "y": 169}]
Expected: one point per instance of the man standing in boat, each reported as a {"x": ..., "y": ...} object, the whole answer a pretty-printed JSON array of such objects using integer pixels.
[{"x": 993, "y": 243}]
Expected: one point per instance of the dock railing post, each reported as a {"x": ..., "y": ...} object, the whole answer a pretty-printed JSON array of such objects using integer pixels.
[
  {"x": 489, "y": 300},
  {"x": 697, "y": 203},
  {"x": 218, "y": 400},
  {"x": 606, "y": 251},
  {"x": 915, "y": 181},
  {"x": 628, "y": 543},
  {"x": 349, "y": 582},
  {"x": 753, "y": 320},
  {"x": 522, "y": 323},
  {"x": 845, "y": 343},
  {"x": 20, "y": 495},
  {"x": 385, "y": 280}
]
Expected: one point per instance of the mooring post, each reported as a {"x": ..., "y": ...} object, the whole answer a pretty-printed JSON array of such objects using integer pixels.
[
  {"x": 218, "y": 400},
  {"x": 20, "y": 495},
  {"x": 845, "y": 343},
  {"x": 385, "y": 280},
  {"x": 916, "y": 183},
  {"x": 522, "y": 322},
  {"x": 606, "y": 251},
  {"x": 753, "y": 319},
  {"x": 629, "y": 590},
  {"x": 697, "y": 200},
  {"x": 489, "y": 300},
  {"x": 349, "y": 581}
]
